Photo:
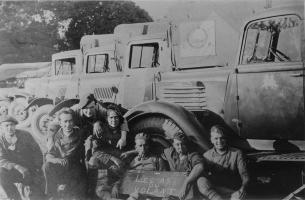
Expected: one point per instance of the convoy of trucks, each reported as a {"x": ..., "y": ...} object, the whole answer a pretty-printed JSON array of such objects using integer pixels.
[{"x": 174, "y": 76}]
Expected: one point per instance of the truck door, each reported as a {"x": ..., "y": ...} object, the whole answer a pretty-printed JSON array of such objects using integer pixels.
[
  {"x": 100, "y": 76},
  {"x": 143, "y": 64},
  {"x": 63, "y": 84},
  {"x": 269, "y": 80}
]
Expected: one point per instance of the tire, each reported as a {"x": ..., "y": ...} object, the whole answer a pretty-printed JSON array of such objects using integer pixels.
[
  {"x": 39, "y": 122},
  {"x": 161, "y": 129},
  {"x": 16, "y": 110}
]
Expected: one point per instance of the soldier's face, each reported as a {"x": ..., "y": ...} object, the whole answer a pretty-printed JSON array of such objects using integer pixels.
[
  {"x": 218, "y": 140},
  {"x": 89, "y": 110},
  {"x": 8, "y": 128},
  {"x": 66, "y": 122},
  {"x": 141, "y": 146},
  {"x": 113, "y": 119},
  {"x": 180, "y": 147}
]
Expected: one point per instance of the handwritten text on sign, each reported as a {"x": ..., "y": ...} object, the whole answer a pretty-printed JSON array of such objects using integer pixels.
[{"x": 154, "y": 183}]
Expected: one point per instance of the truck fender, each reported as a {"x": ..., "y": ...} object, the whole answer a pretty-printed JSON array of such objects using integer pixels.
[
  {"x": 39, "y": 102},
  {"x": 22, "y": 95},
  {"x": 66, "y": 103},
  {"x": 186, "y": 120}
]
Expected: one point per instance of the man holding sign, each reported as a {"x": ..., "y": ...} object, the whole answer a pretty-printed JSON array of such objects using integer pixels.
[
  {"x": 144, "y": 160},
  {"x": 180, "y": 159}
]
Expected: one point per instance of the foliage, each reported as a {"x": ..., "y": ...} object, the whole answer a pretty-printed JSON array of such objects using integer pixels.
[
  {"x": 31, "y": 31},
  {"x": 101, "y": 18}
]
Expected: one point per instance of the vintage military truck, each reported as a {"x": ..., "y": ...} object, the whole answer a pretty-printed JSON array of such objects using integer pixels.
[
  {"x": 259, "y": 99},
  {"x": 13, "y": 95},
  {"x": 179, "y": 76},
  {"x": 68, "y": 79},
  {"x": 176, "y": 76}
]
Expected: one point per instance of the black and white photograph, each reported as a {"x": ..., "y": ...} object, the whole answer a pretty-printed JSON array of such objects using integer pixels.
[{"x": 152, "y": 100}]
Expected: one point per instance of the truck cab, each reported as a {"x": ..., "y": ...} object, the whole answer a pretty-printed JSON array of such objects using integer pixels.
[
  {"x": 100, "y": 74},
  {"x": 265, "y": 95}
]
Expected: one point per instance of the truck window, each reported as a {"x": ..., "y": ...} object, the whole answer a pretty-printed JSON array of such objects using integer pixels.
[
  {"x": 97, "y": 63},
  {"x": 144, "y": 56},
  {"x": 65, "y": 66},
  {"x": 273, "y": 40}
]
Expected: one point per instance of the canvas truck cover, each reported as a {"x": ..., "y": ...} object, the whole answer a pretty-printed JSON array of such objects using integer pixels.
[
  {"x": 35, "y": 73},
  {"x": 11, "y": 70},
  {"x": 204, "y": 43},
  {"x": 91, "y": 41}
]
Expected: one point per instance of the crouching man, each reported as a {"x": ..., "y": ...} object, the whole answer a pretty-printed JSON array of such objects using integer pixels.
[
  {"x": 145, "y": 160},
  {"x": 227, "y": 168},
  {"x": 180, "y": 159},
  {"x": 20, "y": 161},
  {"x": 64, "y": 168}
]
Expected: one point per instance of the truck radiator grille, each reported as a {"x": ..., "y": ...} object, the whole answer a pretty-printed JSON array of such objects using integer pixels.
[
  {"x": 104, "y": 94},
  {"x": 191, "y": 97}
]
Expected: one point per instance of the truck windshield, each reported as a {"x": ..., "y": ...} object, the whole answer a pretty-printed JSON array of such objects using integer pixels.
[
  {"x": 97, "y": 63},
  {"x": 65, "y": 66},
  {"x": 144, "y": 55},
  {"x": 276, "y": 39}
]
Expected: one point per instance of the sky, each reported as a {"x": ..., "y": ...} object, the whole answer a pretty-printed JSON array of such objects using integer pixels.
[{"x": 159, "y": 8}]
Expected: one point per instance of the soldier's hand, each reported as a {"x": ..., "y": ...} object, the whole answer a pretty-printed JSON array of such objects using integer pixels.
[
  {"x": 97, "y": 130},
  {"x": 124, "y": 155},
  {"x": 62, "y": 161},
  {"x": 22, "y": 170},
  {"x": 115, "y": 192},
  {"x": 183, "y": 191},
  {"x": 116, "y": 161},
  {"x": 121, "y": 143},
  {"x": 238, "y": 195},
  {"x": 88, "y": 143}
]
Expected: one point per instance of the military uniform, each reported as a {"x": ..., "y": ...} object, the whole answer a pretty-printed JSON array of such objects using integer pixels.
[
  {"x": 175, "y": 164},
  {"x": 226, "y": 170},
  {"x": 73, "y": 174},
  {"x": 25, "y": 153}
]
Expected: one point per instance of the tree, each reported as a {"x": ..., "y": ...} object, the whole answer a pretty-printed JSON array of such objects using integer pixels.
[
  {"x": 31, "y": 31},
  {"x": 101, "y": 18}
]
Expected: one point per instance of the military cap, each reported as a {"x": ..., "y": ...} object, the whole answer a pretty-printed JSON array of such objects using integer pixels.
[
  {"x": 8, "y": 118},
  {"x": 142, "y": 136},
  {"x": 180, "y": 136},
  {"x": 86, "y": 100}
]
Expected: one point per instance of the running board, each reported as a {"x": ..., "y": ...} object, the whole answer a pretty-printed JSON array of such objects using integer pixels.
[{"x": 276, "y": 156}]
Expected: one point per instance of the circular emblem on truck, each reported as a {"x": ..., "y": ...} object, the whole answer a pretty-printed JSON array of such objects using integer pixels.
[{"x": 197, "y": 38}]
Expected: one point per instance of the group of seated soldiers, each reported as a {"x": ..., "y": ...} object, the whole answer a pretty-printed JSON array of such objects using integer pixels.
[{"x": 84, "y": 141}]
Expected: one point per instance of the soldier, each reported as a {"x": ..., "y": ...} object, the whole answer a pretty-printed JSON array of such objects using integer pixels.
[
  {"x": 110, "y": 134},
  {"x": 180, "y": 159},
  {"x": 105, "y": 156},
  {"x": 91, "y": 115},
  {"x": 227, "y": 167},
  {"x": 64, "y": 164},
  {"x": 144, "y": 159},
  {"x": 20, "y": 159}
]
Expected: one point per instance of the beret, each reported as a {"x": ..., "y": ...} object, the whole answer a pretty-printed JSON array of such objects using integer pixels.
[
  {"x": 142, "y": 136},
  {"x": 8, "y": 118},
  {"x": 86, "y": 100}
]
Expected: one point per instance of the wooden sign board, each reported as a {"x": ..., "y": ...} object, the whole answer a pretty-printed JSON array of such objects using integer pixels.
[{"x": 153, "y": 183}]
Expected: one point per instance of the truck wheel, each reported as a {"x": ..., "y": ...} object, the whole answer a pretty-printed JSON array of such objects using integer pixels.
[
  {"x": 17, "y": 111},
  {"x": 4, "y": 105},
  {"x": 160, "y": 129},
  {"x": 39, "y": 122}
]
